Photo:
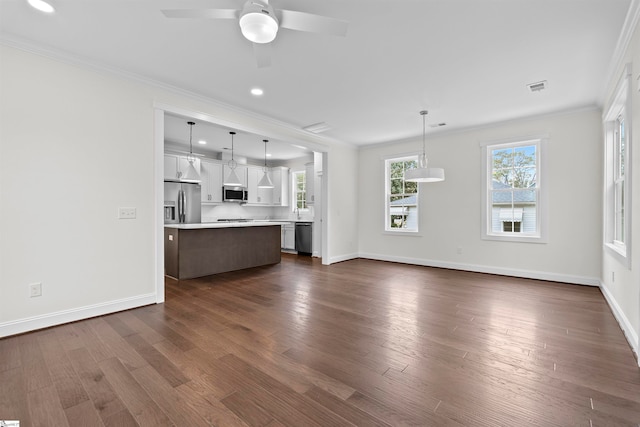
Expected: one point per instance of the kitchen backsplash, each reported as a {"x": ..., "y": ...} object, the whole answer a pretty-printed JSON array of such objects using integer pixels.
[{"x": 211, "y": 213}]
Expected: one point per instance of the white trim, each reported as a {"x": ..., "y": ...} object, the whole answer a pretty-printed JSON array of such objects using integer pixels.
[
  {"x": 620, "y": 101},
  {"x": 629, "y": 26},
  {"x": 501, "y": 271},
  {"x": 541, "y": 141},
  {"x": 29, "y": 324},
  {"x": 341, "y": 258},
  {"x": 623, "y": 321},
  {"x": 158, "y": 179}
]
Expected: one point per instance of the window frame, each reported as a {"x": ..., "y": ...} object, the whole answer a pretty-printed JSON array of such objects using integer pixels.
[
  {"x": 541, "y": 234},
  {"x": 615, "y": 185},
  {"x": 294, "y": 191},
  {"x": 387, "y": 196}
]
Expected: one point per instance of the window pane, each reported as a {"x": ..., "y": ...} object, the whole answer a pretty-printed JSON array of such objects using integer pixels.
[
  {"x": 396, "y": 186},
  {"x": 524, "y": 177},
  {"x": 524, "y": 156},
  {"x": 410, "y": 187},
  {"x": 397, "y": 170}
]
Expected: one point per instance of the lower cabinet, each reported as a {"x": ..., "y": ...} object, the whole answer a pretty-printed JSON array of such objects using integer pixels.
[{"x": 288, "y": 236}]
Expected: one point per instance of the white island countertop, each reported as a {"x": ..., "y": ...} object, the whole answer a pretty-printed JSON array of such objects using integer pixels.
[{"x": 204, "y": 225}]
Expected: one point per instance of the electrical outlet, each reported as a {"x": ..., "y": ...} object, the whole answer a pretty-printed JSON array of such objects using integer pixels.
[
  {"x": 126, "y": 213},
  {"x": 35, "y": 290}
]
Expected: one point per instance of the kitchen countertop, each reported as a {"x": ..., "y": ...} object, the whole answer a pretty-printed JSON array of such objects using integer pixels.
[{"x": 205, "y": 225}]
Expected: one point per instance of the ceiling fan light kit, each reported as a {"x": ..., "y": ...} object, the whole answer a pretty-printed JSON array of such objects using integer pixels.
[
  {"x": 258, "y": 22},
  {"x": 423, "y": 173}
]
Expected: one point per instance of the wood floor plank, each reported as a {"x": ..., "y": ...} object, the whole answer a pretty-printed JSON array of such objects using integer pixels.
[
  {"x": 104, "y": 398},
  {"x": 14, "y": 402},
  {"x": 140, "y": 404},
  {"x": 66, "y": 380},
  {"x": 83, "y": 414},
  {"x": 360, "y": 342},
  {"x": 45, "y": 407}
]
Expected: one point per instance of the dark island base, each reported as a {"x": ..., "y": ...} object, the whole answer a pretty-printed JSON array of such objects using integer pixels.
[{"x": 202, "y": 252}]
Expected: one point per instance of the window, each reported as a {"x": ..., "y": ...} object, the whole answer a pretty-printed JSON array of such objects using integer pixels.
[
  {"x": 299, "y": 190},
  {"x": 618, "y": 172},
  {"x": 401, "y": 197},
  {"x": 513, "y": 195}
]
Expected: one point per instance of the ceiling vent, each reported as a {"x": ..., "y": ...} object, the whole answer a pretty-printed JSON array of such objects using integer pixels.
[
  {"x": 317, "y": 127},
  {"x": 538, "y": 86}
]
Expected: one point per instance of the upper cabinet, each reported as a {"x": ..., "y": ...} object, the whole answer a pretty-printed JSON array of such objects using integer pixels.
[
  {"x": 211, "y": 176},
  {"x": 310, "y": 177},
  {"x": 241, "y": 171},
  {"x": 175, "y": 167},
  {"x": 259, "y": 196},
  {"x": 280, "y": 178}
]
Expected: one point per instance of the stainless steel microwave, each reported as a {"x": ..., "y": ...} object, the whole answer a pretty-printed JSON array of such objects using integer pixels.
[{"x": 234, "y": 194}]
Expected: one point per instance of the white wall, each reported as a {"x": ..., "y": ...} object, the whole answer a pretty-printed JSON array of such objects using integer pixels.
[
  {"x": 450, "y": 211},
  {"x": 76, "y": 143},
  {"x": 623, "y": 293}
]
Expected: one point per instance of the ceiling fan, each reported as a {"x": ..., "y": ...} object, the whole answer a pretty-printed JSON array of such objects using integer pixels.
[{"x": 259, "y": 23}]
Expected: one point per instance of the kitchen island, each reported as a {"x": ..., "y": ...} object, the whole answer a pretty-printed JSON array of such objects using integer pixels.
[{"x": 196, "y": 250}]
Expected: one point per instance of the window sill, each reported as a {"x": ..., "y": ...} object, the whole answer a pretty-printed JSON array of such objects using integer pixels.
[
  {"x": 519, "y": 239},
  {"x": 402, "y": 233},
  {"x": 621, "y": 254}
]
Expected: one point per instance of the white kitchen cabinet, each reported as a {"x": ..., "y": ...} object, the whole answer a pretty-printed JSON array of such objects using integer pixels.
[
  {"x": 175, "y": 167},
  {"x": 241, "y": 171},
  {"x": 257, "y": 196},
  {"x": 280, "y": 178},
  {"x": 211, "y": 181},
  {"x": 288, "y": 236},
  {"x": 310, "y": 177}
]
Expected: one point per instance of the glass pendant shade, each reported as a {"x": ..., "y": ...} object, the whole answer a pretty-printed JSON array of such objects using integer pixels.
[
  {"x": 265, "y": 182},
  {"x": 423, "y": 173},
  {"x": 232, "y": 179},
  {"x": 191, "y": 173}
]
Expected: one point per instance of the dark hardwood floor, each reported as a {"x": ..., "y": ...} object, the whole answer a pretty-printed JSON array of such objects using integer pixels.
[{"x": 362, "y": 342}]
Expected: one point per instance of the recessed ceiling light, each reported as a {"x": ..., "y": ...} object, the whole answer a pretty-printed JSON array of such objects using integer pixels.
[
  {"x": 256, "y": 91},
  {"x": 202, "y": 142},
  {"x": 42, "y": 6},
  {"x": 269, "y": 154}
]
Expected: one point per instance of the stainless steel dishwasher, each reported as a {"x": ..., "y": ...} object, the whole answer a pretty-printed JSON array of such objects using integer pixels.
[{"x": 303, "y": 237}]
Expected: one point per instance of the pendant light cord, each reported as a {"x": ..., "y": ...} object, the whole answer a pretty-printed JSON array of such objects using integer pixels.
[{"x": 191, "y": 158}]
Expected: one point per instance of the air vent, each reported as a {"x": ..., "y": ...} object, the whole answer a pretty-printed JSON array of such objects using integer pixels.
[
  {"x": 538, "y": 86},
  {"x": 317, "y": 127}
]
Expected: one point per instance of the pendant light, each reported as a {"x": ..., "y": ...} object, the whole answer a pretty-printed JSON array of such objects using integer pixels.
[
  {"x": 422, "y": 173},
  {"x": 265, "y": 182},
  {"x": 232, "y": 178},
  {"x": 191, "y": 174}
]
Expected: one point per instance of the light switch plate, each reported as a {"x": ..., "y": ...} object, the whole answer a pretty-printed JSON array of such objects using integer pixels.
[{"x": 126, "y": 213}]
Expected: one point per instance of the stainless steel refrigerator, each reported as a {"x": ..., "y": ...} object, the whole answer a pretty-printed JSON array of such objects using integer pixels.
[{"x": 182, "y": 203}]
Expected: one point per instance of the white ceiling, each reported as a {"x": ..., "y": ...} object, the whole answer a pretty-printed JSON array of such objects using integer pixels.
[{"x": 466, "y": 61}]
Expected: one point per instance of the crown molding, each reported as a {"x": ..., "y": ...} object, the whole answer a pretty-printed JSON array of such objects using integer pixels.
[
  {"x": 618, "y": 57},
  {"x": 78, "y": 61}
]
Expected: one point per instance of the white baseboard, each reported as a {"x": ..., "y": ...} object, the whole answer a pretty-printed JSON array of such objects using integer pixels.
[
  {"x": 340, "y": 258},
  {"x": 623, "y": 321},
  {"x": 501, "y": 271},
  {"x": 65, "y": 316}
]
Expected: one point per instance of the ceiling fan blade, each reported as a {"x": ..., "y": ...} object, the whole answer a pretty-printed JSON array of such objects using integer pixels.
[
  {"x": 302, "y": 21},
  {"x": 262, "y": 52},
  {"x": 201, "y": 13}
]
